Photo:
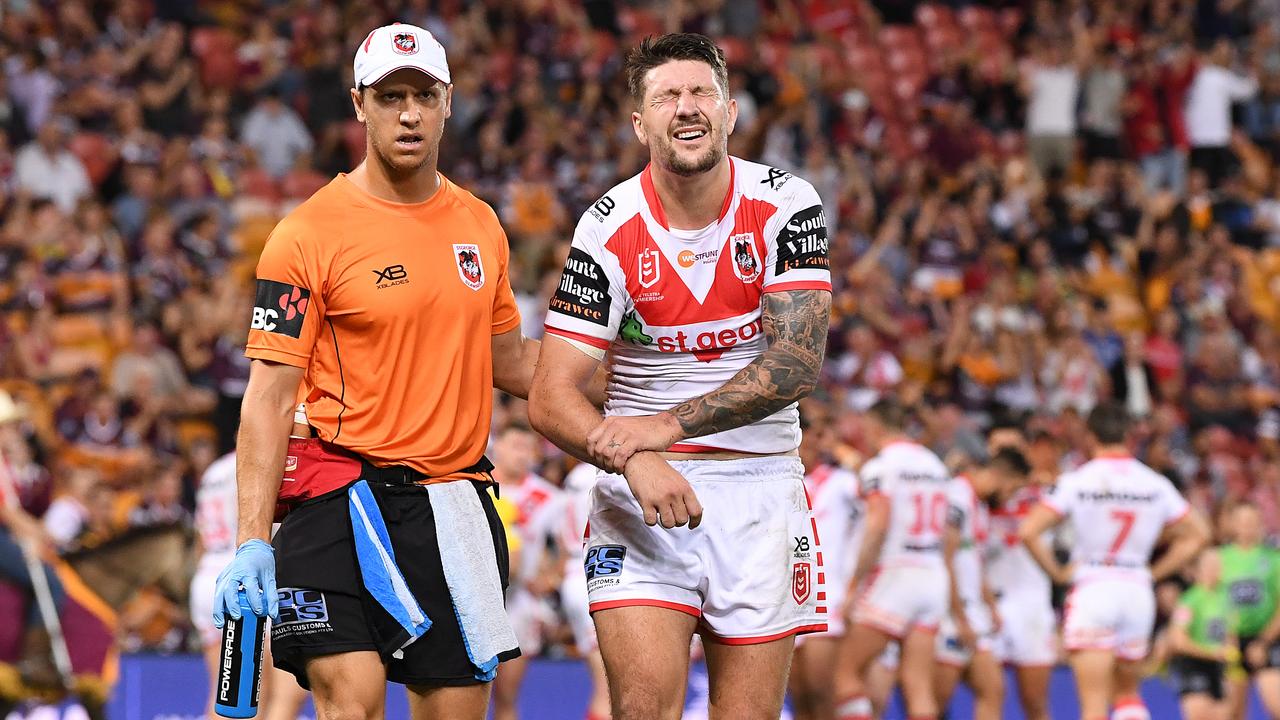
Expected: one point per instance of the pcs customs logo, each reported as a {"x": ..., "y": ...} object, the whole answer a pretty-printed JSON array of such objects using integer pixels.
[{"x": 603, "y": 565}]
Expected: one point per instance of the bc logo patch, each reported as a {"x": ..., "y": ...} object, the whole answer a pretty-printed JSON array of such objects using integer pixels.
[
  {"x": 800, "y": 587},
  {"x": 280, "y": 308},
  {"x": 604, "y": 561}
]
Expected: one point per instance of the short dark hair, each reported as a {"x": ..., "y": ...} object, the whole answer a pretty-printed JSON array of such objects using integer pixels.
[
  {"x": 655, "y": 51},
  {"x": 1010, "y": 460},
  {"x": 889, "y": 413},
  {"x": 1109, "y": 422}
]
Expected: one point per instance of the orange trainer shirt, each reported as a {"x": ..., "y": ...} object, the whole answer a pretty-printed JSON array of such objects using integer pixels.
[{"x": 385, "y": 306}]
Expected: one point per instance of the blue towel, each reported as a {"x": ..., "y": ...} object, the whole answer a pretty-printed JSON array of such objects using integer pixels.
[{"x": 382, "y": 577}]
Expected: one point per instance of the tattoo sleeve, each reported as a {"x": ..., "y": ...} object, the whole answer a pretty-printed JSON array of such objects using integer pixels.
[{"x": 795, "y": 328}]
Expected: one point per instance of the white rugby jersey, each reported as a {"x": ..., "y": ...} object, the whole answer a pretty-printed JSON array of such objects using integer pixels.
[
  {"x": 915, "y": 482},
  {"x": 1010, "y": 568},
  {"x": 577, "y": 508},
  {"x": 679, "y": 311},
  {"x": 541, "y": 506},
  {"x": 833, "y": 492},
  {"x": 968, "y": 513},
  {"x": 1117, "y": 507},
  {"x": 216, "y": 514}
]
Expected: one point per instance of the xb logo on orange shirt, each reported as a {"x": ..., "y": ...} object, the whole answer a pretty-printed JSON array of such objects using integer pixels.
[{"x": 390, "y": 276}]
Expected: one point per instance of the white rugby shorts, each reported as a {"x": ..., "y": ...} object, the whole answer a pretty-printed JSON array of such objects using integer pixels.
[
  {"x": 530, "y": 616},
  {"x": 1028, "y": 631},
  {"x": 1114, "y": 614},
  {"x": 201, "y": 599},
  {"x": 573, "y": 601},
  {"x": 901, "y": 598},
  {"x": 752, "y": 572},
  {"x": 948, "y": 647}
]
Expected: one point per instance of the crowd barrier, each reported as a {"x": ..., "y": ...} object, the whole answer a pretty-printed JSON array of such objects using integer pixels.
[{"x": 154, "y": 687}]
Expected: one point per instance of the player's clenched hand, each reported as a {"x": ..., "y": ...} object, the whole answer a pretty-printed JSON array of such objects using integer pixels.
[
  {"x": 964, "y": 630},
  {"x": 612, "y": 443},
  {"x": 664, "y": 495},
  {"x": 1256, "y": 653},
  {"x": 997, "y": 622},
  {"x": 850, "y": 602}
]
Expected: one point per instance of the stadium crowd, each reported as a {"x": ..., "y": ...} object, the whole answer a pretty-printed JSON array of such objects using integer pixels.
[{"x": 1034, "y": 206}]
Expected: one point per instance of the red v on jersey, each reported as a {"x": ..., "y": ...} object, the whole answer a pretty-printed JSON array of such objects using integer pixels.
[{"x": 662, "y": 297}]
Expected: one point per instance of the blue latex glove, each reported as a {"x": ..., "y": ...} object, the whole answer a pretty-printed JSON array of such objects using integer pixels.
[{"x": 254, "y": 569}]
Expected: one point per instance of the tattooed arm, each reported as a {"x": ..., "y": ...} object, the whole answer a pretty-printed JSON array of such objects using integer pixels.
[{"x": 795, "y": 327}]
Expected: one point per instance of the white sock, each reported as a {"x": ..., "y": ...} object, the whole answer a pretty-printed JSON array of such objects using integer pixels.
[{"x": 855, "y": 708}]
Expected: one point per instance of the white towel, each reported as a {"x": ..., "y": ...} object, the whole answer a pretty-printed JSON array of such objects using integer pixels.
[{"x": 471, "y": 572}]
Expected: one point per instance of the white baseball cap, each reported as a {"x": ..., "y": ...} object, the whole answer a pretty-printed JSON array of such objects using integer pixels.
[{"x": 398, "y": 46}]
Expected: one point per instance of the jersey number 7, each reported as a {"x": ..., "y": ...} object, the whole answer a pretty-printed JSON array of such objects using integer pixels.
[{"x": 1125, "y": 518}]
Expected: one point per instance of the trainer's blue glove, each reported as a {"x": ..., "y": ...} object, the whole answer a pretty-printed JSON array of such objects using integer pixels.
[{"x": 254, "y": 569}]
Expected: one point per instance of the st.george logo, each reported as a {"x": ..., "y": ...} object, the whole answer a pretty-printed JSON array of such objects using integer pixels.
[
  {"x": 470, "y": 268},
  {"x": 405, "y": 43},
  {"x": 650, "y": 268},
  {"x": 746, "y": 262},
  {"x": 604, "y": 560}
]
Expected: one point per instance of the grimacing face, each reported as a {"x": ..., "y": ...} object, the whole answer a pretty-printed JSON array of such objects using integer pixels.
[
  {"x": 404, "y": 116},
  {"x": 685, "y": 118}
]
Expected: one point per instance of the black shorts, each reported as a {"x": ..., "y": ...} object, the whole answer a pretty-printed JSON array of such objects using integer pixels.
[
  {"x": 1216, "y": 162},
  {"x": 1272, "y": 660},
  {"x": 1192, "y": 676},
  {"x": 325, "y": 609}
]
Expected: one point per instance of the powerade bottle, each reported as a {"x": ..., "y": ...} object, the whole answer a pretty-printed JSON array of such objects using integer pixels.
[{"x": 240, "y": 664}]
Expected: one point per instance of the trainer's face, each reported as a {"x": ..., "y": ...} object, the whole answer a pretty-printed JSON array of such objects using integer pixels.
[
  {"x": 404, "y": 115},
  {"x": 685, "y": 118}
]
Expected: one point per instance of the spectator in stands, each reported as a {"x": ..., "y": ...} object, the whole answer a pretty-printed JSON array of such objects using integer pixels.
[
  {"x": 147, "y": 370},
  {"x": 1052, "y": 86},
  {"x": 161, "y": 499},
  {"x": 1103, "y": 92},
  {"x": 46, "y": 169},
  {"x": 1262, "y": 116},
  {"x": 865, "y": 367},
  {"x": 13, "y": 124},
  {"x": 68, "y": 417},
  {"x": 18, "y": 525},
  {"x": 33, "y": 86},
  {"x": 1214, "y": 90},
  {"x": 68, "y": 515},
  {"x": 276, "y": 134},
  {"x": 168, "y": 82}
]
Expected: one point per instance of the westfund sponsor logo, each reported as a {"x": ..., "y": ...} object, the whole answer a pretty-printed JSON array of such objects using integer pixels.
[
  {"x": 802, "y": 242},
  {"x": 583, "y": 292},
  {"x": 280, "y": 308}
]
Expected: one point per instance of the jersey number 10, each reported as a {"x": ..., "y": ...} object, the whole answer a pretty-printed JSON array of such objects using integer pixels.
[{"x": 931, "y": 513}]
